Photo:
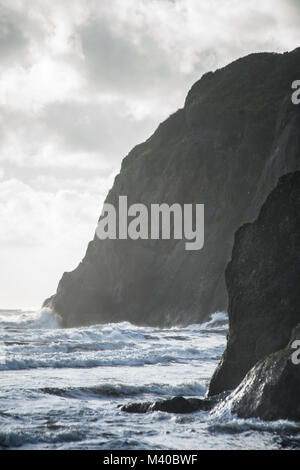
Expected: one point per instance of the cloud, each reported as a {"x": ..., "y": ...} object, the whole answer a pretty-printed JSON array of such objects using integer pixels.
[
  {"x": 40, "y": 231},
  {"x": 120, "y": 62},
  {"x": 81, "y": 83},
  {"x": 107, "y": 127},
  {"x": 13, "y": 42},
  {"x": 60, "y": 137},
  {"x": 148, "y": 48}
]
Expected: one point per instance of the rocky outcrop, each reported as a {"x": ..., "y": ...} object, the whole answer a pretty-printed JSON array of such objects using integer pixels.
[
  {"x": 237, "y": 133},
  {"x": 179, "y": 405},
  {"x": 264, "y": 307},
  {"x": 271, "y": 389}
]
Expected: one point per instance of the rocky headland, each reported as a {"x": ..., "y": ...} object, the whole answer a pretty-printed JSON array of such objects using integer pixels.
[{"x": 226, "y": 148}]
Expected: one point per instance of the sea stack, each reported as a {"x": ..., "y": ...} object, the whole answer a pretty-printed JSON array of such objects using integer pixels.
[{"x": 264, "y": 311}]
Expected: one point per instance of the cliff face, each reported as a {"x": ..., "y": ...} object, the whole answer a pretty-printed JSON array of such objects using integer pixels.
[
  {"x": 237, "y": 133},
  {"x": 264, "y": 307}
]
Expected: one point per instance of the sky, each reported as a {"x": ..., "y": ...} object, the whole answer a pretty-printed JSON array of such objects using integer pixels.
[{"x": 81, "y": 83}]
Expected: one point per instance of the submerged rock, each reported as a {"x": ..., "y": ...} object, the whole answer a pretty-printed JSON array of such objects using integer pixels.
[
  {"x": 136, "y": 407},
  {"x": 264, "y": 308},
  {"x": 237, "y": 133},
  {"x": 172, "y": 405}
]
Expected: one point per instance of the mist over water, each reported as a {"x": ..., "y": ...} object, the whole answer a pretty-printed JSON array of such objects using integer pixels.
[{"x": 60, "y": 388}]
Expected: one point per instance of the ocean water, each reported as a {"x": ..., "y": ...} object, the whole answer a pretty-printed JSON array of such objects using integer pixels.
[{"x": 60, "y": 388}]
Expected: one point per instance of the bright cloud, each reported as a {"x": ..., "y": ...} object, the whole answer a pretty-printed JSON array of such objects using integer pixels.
[{"x": 81, "y": 83}]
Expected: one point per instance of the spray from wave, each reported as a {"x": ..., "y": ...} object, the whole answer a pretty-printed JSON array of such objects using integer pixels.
[
  {"x": 217, "y": 321},
  {"x": 46, "y": 318}
]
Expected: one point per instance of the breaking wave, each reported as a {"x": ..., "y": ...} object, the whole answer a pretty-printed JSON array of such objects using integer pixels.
[{"x": 73, "y": 380}]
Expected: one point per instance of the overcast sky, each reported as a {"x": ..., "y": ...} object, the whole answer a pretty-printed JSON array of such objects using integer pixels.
[{"x": 83, "y": 81}]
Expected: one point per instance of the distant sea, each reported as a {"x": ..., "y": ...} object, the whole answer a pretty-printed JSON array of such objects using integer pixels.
[{"x": 60, "y": 388}]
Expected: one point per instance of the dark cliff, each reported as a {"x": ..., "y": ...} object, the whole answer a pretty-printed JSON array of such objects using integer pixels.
[
  {"x": 263, "y": 280},
  {"x": 237, "y": 133}
]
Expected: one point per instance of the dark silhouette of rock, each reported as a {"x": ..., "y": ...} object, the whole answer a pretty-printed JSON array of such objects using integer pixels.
[
  {"x": 271, "y": 389},
  {"x": 136, "y": 407},
  {"x": 178, "y": 405},
  {"x": 264, "y": 306},
  {"x": 237, "y": 133}
]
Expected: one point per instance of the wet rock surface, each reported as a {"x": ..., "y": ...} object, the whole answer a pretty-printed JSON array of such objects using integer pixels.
[
  {"x": 271, "y": 389},
  {"x": 178, "y": 405},
  {"x": 263, "y": 286}
]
